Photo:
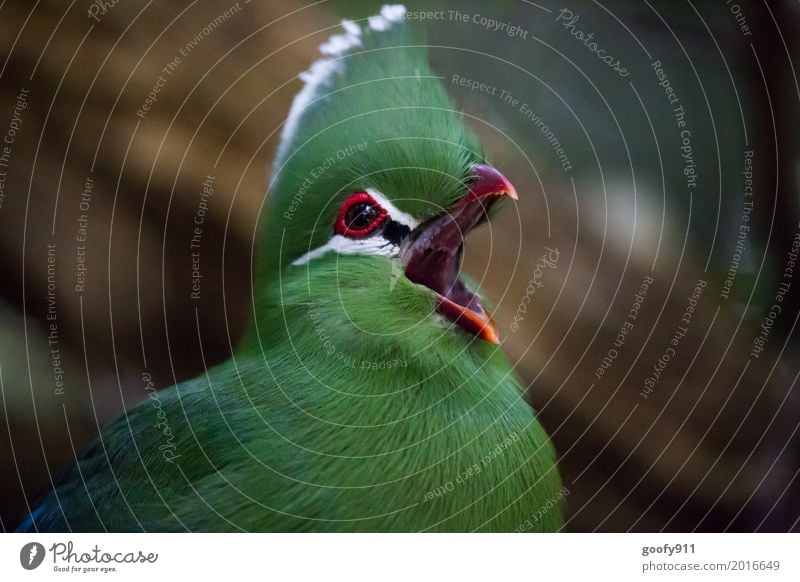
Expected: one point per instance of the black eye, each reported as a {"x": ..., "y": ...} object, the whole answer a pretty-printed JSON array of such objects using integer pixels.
[{"x": 359, "y": 216}]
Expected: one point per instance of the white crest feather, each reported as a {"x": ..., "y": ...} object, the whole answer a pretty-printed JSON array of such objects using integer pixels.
[{"x": 322, "y": 70}]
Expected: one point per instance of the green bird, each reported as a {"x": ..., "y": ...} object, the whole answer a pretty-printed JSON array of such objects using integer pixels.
[{"x": 370, "y": 393}]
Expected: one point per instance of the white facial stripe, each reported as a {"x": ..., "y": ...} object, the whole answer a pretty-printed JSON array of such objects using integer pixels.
[
  {"x": 376, "y": 245},
  {"x": 394, "y": 212},
  {"x": 370, "y": 245}
]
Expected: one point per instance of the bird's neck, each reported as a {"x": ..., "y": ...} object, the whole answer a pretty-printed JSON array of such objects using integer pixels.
[{"x": 344, "y": 323}]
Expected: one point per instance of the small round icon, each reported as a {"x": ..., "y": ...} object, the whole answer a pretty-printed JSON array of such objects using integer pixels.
[{"x": 31, "y": 555}]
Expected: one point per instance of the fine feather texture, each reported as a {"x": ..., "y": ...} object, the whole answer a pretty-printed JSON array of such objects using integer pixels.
[
  {"x": 352, "y": 405},
  {"x": 323, "y": 433}
]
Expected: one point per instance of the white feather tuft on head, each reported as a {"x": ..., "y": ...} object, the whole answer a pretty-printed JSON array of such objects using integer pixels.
[
  {"x": 393, "y": 12},
  {"x": 351, "y": 28},
  {"x": 323, "y": 69},
  {"x": 390, "y": 13}
]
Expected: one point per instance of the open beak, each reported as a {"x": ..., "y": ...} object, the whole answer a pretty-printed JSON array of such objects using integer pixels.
[{"x": 433, "y": 255}]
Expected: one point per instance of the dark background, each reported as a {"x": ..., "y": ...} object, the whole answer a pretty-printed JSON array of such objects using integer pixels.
[{"x": 714, "y": 447}]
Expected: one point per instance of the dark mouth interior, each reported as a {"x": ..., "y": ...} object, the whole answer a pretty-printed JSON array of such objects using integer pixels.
[
  {"x": 438, "y": 270},
  {"x": 434, "y": 255}
]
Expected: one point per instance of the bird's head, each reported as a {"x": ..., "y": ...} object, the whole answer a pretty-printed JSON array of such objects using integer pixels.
[{"x": 376, "y": 182}]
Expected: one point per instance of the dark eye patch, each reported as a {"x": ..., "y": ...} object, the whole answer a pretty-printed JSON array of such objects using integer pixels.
[{"x": 395, "y": 232}]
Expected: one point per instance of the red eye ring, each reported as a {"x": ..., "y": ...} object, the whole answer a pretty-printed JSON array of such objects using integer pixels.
[{"x": 359, "y": 198}]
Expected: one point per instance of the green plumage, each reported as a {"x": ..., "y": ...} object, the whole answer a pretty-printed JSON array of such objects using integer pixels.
[{"x": 351, "y": 405}]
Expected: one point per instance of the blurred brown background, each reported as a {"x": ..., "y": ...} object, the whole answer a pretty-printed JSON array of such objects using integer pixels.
[{"x": 714, "y": 445}]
